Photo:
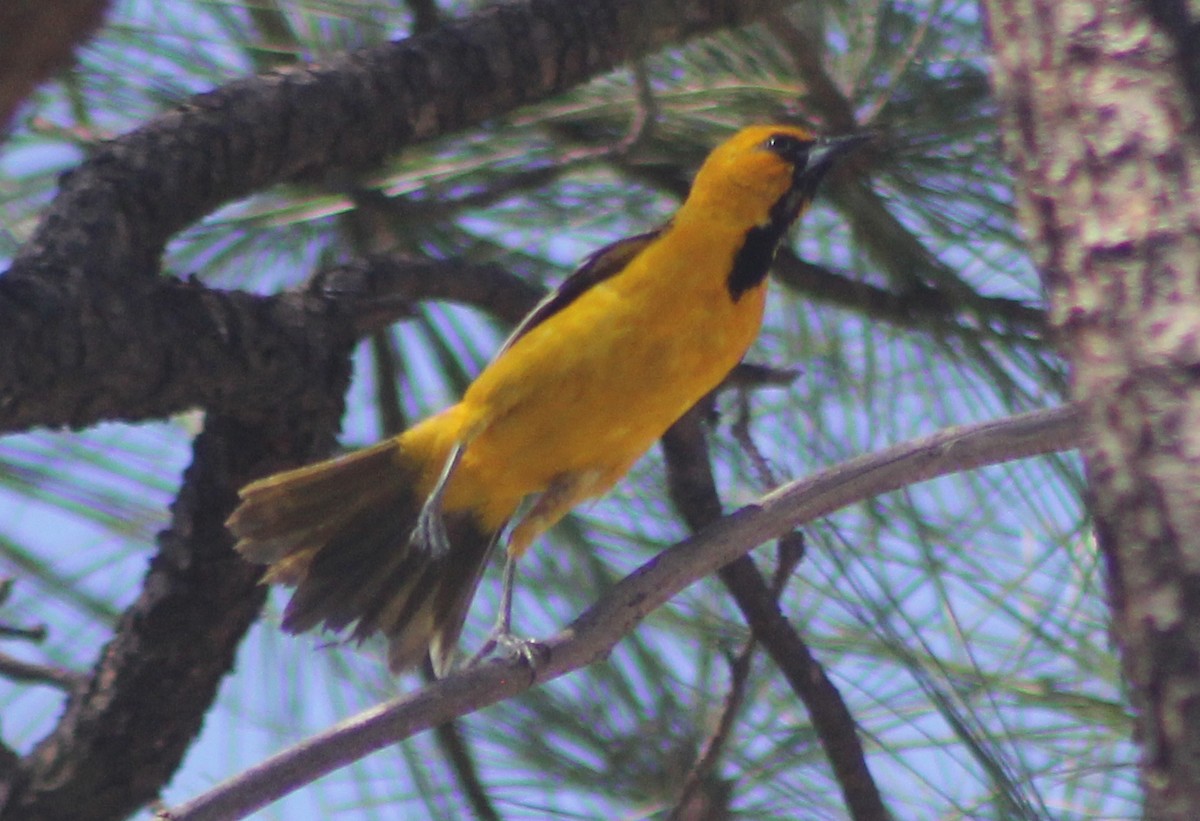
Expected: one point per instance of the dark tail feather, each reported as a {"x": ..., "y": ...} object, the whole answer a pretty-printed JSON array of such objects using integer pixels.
[{"x": 340, "y": 532}]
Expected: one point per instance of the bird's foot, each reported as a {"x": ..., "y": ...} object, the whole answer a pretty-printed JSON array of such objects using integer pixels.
[
  {"x": 504, "y": 645},
  {"x": 429, "y": 534}
]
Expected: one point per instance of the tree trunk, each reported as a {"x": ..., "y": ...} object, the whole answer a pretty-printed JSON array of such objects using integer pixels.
[{"x": 1099, "y": 126}]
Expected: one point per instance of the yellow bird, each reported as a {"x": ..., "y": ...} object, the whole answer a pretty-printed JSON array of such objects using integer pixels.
[{"x": 394, "y": 538}]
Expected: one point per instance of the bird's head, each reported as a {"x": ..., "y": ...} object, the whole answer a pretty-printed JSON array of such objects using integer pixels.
[{"x": 767, "y": 174}]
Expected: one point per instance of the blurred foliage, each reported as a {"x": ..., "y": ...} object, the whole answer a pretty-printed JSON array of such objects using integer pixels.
[{"x": 962, "y": 619}]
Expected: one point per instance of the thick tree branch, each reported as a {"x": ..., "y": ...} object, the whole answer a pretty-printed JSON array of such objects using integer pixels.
[
  {"x": 593, "y": 635},
  {"x": 184, "y": 346},
  {"x": 181, "y": 345},
  {"x": 127, "y": 727},
  {"x": 67, "y": 296}
]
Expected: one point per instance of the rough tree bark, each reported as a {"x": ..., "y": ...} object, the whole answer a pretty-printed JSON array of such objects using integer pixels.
[
  {"x": 1100, "y": 122},
  {"x": 92, "y": 263},
  {"x": 91, "y": 330}
]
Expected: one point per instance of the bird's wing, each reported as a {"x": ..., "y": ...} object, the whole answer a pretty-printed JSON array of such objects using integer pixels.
[{"x": 602, "y": 264}]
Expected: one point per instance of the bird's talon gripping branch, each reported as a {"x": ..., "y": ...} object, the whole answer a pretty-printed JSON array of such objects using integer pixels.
[
  {"x": 502, "y": 641},
  {"x": 507, "y": 646},
  {"x": 394, "y": 538}
]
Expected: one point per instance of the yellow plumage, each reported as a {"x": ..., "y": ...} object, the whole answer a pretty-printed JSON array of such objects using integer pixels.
[{"x": 582, "y": 389}]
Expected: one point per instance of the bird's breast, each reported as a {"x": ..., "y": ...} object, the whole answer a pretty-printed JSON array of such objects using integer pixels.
[{"x": 593, "y": 387}]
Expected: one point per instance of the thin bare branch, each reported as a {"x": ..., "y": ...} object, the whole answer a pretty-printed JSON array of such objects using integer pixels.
[
  {"x": 30, "y": 672},
  {"x": 461, "y": 758},
  {"x": 694, "y": 492},
  {"x": 593, "y": 635},
  {"x": 701, "y": 773},
  {"x": 919, "y": 306},
  {"x": 741, "y": 433},
  {"x": 35, "y": 633}
]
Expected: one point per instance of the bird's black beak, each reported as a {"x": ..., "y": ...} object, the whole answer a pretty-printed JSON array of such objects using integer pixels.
[
  {"x": 828, "y": 150},
  {"x": 811, "y": 161},
  {"x": 823, "y": 155}
]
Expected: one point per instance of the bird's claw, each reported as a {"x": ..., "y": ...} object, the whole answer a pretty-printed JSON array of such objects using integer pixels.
[{"x": 505, "y": 645}]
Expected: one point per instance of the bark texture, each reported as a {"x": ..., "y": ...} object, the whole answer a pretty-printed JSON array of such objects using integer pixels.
[
  {"x": 70, "y": 351},
  {"x": 1100, "y": 124},
  {"x": 125, "y": 731}
]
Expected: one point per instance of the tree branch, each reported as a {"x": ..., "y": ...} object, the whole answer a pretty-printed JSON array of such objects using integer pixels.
[
  {"x": 694, "y": 493},
  {"x": 593, "y": 635},
  {"x": 919, "y": 307},
  {"x": 98, "y": 246},
  {"x": 125, "y": 729},
  {"x": 16, "y": 669},
  {"x": 696, "y": 796},
  {"x": 379, "y": 289}
]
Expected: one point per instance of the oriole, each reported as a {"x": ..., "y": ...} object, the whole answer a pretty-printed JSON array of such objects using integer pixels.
[{"x": 394, "y": 538}]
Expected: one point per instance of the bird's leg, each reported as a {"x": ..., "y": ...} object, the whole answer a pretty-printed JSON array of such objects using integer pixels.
[
  {"x": 566, "y": 491},
  {"x": 504, "y": 617},
  {"x": 502, "y": 638},
  {"x": 430, "y": 530}
]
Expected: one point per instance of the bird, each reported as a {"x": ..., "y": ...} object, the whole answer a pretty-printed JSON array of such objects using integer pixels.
[{"x": 394, "y": 538}]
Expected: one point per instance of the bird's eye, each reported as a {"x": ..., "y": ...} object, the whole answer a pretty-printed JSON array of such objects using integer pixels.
[{"x": 792, "y": 149}]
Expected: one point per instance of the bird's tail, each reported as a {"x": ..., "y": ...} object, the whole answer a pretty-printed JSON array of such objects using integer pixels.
[{"x": 342, "y": 532}]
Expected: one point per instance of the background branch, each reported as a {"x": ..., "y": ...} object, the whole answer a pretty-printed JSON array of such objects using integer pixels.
[
  {"x": 694, "y": 494},
  {"x": 97, "y": 247},
  {"x": 126, "y": 728},
  {"x": 16, "y": 669}
]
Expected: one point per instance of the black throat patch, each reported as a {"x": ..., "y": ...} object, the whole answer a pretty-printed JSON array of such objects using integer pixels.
[{"x": 754, "y": 258}]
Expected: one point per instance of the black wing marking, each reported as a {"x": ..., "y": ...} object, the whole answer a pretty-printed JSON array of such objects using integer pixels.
[{"x": 602, "y": 264}]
